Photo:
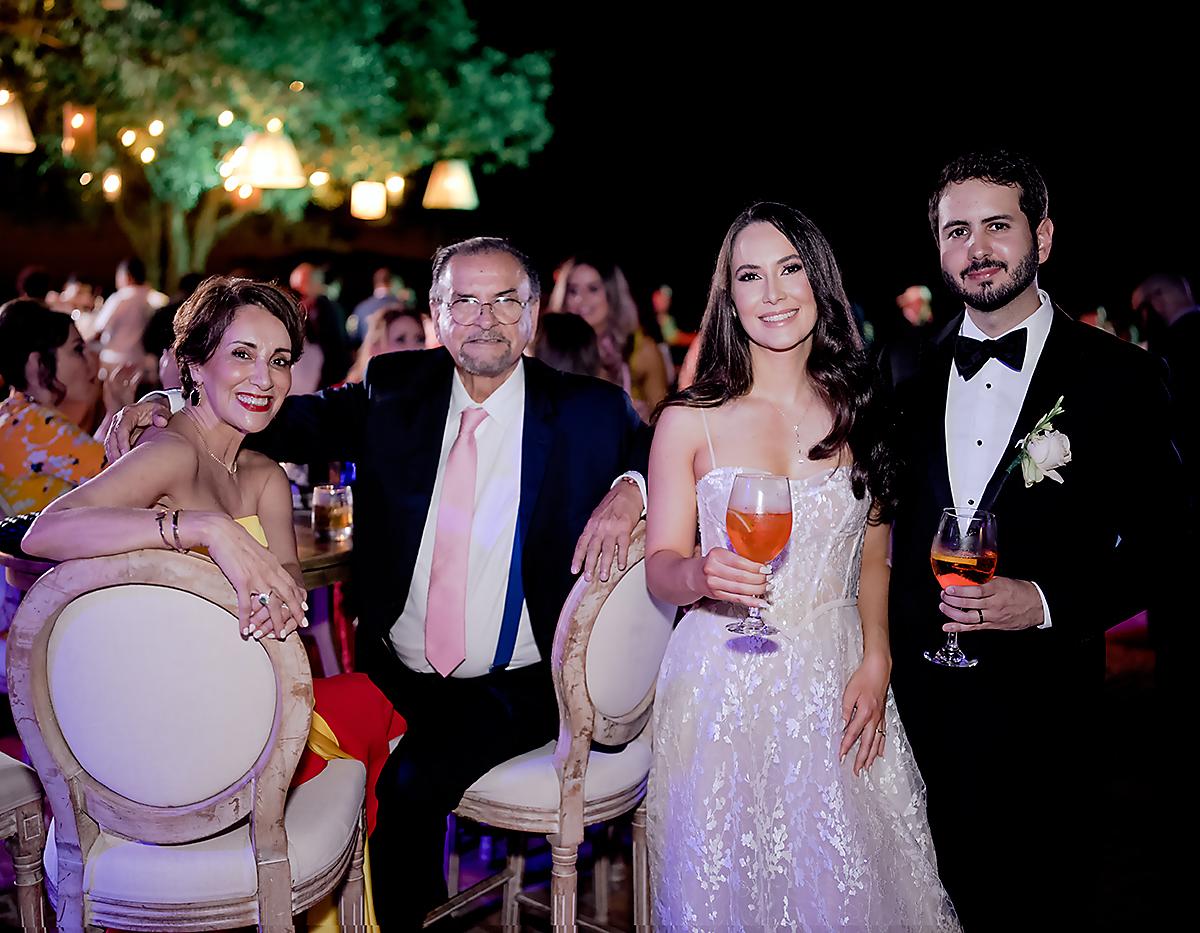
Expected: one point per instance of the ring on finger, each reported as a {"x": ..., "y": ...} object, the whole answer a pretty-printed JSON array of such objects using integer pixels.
[
  {"x": 980, "y": 611},
  {"x": 264, "y": 599}
]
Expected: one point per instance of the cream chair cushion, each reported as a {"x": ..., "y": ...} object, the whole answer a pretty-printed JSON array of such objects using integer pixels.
[
  {"x": 99, "y": 680},
  {"x": 320, "y": 819},
  {"x": 530, "y": 780},
  {"x": 18, "y": 784},
  {"x": 626, "y": 645}
]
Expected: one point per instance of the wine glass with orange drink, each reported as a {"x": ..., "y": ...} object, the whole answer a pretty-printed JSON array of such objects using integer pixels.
[
  {"x": 963, "y": 554},
  {"x": 759, "y": 521}
]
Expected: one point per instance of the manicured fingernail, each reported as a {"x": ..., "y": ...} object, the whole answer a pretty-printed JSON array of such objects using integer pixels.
[
  {"x": 258, "y": 633},
  {"x": 304, "y": 606},
  {"x": 270, "y": 634},
  {"x": 951, "y": 591},
  {"x": 764, "y": 569},
  {"x": 304, "y": 623},
  {"x": 246, "y": 631}
]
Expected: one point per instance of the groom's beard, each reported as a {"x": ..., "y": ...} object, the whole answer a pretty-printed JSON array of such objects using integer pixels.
[{"x": 988, "y": 296}]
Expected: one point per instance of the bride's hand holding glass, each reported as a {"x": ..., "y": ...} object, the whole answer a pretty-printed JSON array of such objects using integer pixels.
[{"x": 721, "y": 574}]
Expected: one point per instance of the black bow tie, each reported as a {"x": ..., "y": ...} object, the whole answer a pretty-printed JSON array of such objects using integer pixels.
[{"x": 970, "y": 354}]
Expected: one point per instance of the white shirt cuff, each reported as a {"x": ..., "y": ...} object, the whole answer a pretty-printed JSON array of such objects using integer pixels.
[
  {"x": 174, "y": 398},
  {"x": 637, "y": 478},
  {"x": 1045, "y": 607}
]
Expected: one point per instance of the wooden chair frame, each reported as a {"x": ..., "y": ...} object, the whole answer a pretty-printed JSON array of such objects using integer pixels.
[{"x": 81, "y": 805}]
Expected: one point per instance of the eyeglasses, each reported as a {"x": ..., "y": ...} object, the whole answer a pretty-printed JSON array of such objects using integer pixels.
[{"x": 505, "y": 310}]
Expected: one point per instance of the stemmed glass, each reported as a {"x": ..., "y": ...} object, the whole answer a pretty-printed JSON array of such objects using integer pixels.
[
  {"x": 963, "y": 554},
  {"x": 759, "y": 521}
]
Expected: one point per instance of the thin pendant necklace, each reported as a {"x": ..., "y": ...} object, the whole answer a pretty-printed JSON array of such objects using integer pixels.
[
  {"x": 795, "y": 425},
  {"x": 228, "y": 469}
]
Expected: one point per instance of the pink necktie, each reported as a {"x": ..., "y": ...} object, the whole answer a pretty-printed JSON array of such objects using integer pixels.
[{"x": 446, "y": 613}]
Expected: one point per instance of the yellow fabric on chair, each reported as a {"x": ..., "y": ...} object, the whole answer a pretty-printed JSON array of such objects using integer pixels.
[{"x": 323, "y": 916}]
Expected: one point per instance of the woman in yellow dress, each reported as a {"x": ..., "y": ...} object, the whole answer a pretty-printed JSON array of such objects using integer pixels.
[{"x": 190, "y": 486}]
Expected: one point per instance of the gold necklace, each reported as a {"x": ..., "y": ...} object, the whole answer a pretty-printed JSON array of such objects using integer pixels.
[{"x": 228, "y": 469}]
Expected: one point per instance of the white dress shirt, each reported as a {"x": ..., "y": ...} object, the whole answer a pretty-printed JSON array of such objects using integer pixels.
[
  {"x": 981, "y": 413},
  {"x": 497, "y": 499}
]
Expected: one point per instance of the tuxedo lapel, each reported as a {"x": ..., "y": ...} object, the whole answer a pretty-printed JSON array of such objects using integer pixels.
[
  {"x": 1044, "y": 389},
  {"x": 932, "y": 401}
]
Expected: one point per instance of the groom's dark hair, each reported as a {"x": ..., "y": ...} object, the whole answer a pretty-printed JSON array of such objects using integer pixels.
[{"x": 1011, "y": 169}]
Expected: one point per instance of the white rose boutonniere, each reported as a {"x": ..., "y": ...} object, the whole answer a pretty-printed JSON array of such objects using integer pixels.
[{"x": 1043, "y": 450}]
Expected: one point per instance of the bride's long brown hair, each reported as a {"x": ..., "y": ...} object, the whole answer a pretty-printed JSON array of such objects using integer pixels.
[{"x": 838, "y": 365}]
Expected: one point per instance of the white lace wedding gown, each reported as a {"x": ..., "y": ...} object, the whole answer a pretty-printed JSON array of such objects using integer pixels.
[{"x": 753, "y": 824}]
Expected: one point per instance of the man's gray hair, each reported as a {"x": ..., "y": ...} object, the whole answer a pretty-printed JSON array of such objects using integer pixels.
[{"x": 474, "y": 247}]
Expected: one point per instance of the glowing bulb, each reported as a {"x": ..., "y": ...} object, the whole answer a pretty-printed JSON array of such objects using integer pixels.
[
  {"x": 231, "y": 184},
  {"x": 225, "y": 169},
  {"x": 112, "y": 182},
  {"x": 5, "y": 97},
  {"x": 128, "y": 138},
  {"x": 274, "y": 125},
  {"x": 148, "y": 154},
  {"x": 77, "y": 121},
  {"x": 395, "y": 183},
  {"x": 245, "y": 191},
  {"x": 316, "y": 179},
  {"x": 155, "y": 128},
  {"x": 225, "y": 118},
  {"x": 86, "y": 178},
  {"x": 297, "y": 86}
]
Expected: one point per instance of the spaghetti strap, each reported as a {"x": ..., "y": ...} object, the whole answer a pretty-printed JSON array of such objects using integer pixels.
[{"x": 712, "y": 457}]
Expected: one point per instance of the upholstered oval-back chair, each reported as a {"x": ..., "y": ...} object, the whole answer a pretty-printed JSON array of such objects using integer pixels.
[
  {"x": 608, "y": 646},
  {"x": 166, "y": 744}
]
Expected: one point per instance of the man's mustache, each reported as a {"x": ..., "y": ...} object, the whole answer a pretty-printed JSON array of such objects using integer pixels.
[{"x": 981, "y": 265}]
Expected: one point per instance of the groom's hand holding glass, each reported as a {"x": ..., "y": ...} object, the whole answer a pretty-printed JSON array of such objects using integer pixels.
[{"x": 1002, "y": 604}]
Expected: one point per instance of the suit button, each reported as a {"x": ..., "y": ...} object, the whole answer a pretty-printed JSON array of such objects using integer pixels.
[{"x": 970, "y": 502}]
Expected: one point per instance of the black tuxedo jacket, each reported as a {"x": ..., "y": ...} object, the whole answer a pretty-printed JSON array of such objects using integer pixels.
[
  {"x": 579, "y": 435},
  {"x": 1096, "y": 544}
]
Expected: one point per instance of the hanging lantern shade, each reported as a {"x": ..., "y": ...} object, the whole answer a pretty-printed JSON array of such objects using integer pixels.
[
  {"x": 368, "y": 200},
  {"x": 15, "y": 135},
  {"x": 270, "y": 161},
  {"x": 451, "y": 187}
]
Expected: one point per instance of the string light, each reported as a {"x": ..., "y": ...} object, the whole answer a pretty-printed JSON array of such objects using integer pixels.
[
  {"x": 297, "y": 86},
  {"x": 77, "y": 121},
  {"x": 128, "y": 138},
  {"x": 225, "y": 118},
  {"x": 245, "y": 191},
  {"x": 86, "y": 178},
  {"x": 5, "y": 96},
  {"x": 274, "y": 125},
  {"x": 395, "y": 183},
  {"x": 155, "y": 128},
  {"x": 148, "y": 154},
  {"x": 318, "y": 178},
  {"x": 231, "y": 184},
  {"x": 111, "y": 183}
]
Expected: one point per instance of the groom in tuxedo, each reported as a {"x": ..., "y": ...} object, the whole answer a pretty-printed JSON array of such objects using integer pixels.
[{"x": 1009, "y": 749}]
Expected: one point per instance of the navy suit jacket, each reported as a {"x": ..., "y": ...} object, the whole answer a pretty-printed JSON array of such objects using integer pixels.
[{"x": 579, "y": 434}]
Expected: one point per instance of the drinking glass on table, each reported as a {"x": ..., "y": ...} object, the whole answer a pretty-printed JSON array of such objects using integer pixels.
[
  {"x": 332, "y": 513},
  {"x": 759, "y": 521},
  {"x": 963, "y": 554}
]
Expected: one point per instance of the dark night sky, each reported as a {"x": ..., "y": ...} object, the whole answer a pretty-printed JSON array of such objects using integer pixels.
[{"x": 662, "y": 134}]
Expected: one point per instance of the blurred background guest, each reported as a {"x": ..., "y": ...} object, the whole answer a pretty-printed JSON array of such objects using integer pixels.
[
  {"x": 326, "y": 332},
  {"x": 33, "y": 282},
  {"x": 54, "y": 397},
  {"x": 568, "y": 343},
  {"x": 123, "y": 317},
  {"x": 389, "y": 329},
  {"x": 385, "y": 294},
  {"x": 596, "y": 290}
]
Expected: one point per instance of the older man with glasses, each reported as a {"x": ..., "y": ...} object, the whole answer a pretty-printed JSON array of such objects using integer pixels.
[{"x": 478, "y": 471}]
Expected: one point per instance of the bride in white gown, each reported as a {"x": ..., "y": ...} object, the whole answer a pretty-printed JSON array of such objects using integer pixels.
[{"x": 783, "y": 793}]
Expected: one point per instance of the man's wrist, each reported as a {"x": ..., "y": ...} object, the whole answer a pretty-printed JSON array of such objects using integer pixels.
[{"x": 634, "y": 478}]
